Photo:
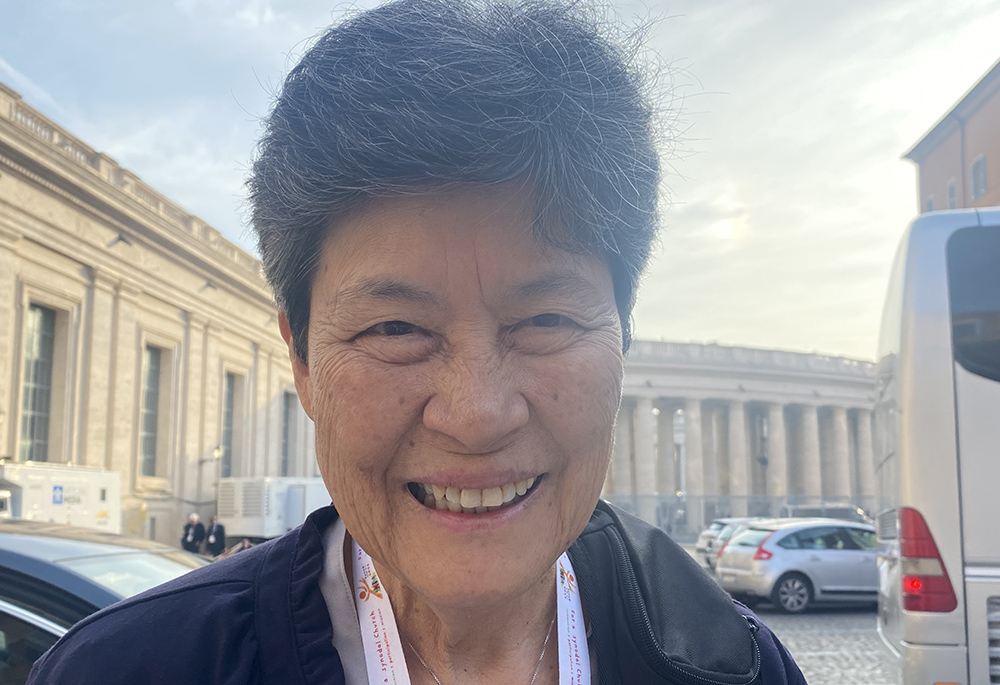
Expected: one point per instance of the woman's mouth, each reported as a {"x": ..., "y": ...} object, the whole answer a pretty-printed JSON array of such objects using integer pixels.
[{"x": 472, "y": 500}]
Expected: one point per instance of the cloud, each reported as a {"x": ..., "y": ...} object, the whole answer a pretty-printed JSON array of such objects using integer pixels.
[{"x": 29, "y": 90}]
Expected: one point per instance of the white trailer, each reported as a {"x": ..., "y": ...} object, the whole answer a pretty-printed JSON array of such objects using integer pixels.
[
  {"x": 61, "y": 493},
  {"x": 261, "y": 508}
]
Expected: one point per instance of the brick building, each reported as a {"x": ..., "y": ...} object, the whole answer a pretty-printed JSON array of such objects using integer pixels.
[{"x": 958, "y": 160}]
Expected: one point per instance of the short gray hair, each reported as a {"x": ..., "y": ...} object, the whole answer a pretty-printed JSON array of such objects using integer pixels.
[{"x": 424, "y": 93}]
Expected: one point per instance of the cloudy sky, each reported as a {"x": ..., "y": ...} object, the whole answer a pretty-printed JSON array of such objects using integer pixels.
[{"x": 787, "y": 193}]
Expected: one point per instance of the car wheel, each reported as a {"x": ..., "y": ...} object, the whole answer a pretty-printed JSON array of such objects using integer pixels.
[{"x": 792, "y": 593}]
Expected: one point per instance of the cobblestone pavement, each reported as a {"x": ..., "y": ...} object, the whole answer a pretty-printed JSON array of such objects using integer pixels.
[{"x": 833, "y": 646}]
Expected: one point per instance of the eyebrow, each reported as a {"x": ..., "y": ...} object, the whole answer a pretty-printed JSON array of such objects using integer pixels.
[
  {"x": 561, "y": 283},
  {"x": 386, "y": 290}
]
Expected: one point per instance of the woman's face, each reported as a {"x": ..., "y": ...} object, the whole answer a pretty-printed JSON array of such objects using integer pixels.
[{"x": 464, "y": 382}]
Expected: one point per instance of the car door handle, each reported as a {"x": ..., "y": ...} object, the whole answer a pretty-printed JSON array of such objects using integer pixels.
[{"x": 815, "y": 557}]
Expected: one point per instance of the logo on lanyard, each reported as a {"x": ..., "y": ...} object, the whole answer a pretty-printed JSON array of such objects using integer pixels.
[
  {"x": 566, "y": 578},
  {"x": 370, "y": 587}
]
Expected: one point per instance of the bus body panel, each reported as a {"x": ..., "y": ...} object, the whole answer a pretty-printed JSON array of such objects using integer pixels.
[
  {"x": 927, "y": 665},
  {"x": 917, "y": 460},
  {"x": 980, "y": 586}
]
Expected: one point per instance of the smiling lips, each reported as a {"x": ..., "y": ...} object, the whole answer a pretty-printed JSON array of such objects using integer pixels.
[{"x": 471, "y": 500}]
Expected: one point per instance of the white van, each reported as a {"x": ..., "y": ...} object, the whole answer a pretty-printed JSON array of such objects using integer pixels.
[{"x": 937, "y": 451}]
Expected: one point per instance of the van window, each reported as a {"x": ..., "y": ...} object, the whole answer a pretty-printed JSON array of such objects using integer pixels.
[{"x": 974, "y": 294}]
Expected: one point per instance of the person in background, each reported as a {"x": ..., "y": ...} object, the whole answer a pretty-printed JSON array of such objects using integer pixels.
[
  {"x": 215, "y": 538},
  {"x": 194, "y": 533}
]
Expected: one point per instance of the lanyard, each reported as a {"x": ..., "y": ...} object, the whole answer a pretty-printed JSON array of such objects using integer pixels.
[{"x": 384, "y": 651}]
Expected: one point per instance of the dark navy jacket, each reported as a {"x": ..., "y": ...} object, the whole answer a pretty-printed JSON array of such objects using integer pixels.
[{"x": 259, "y": 618}]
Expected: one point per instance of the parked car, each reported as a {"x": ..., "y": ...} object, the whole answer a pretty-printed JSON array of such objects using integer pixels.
[
  {"x": 796, "y": 562},
  {"x": 731, "y": 526},
  {"x": 706, "y": 536},
  {"x": 51, "y": 576}
]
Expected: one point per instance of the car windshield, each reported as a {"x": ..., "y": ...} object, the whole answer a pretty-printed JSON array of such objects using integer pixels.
[
  {"x": 130, "y": 574},
  {"x": 750, "y": 537}
]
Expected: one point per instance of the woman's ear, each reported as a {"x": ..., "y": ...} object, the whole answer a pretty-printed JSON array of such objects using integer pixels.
[{"x": 303, "y": 382}]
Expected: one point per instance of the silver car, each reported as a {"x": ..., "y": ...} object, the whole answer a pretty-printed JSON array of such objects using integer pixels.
[
  {"x": 795, "y": 562},
  {"x": 729, "y": 529},
  {"x": 706, "y": 536}
]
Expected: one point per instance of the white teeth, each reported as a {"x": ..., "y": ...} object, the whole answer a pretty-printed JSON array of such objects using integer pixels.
[
  {"x": 509, "y": 492},
  {"x": 492, "y": 497},
  {"x": 471, "y": 500}
]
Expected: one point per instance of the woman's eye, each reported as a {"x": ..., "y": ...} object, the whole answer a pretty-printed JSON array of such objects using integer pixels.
[
  {"x": 546, "y": 320},
  {"x": 395, "y": 328}
]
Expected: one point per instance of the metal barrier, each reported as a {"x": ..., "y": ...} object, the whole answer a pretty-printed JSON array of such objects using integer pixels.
[{"x": 685, "y": 517}]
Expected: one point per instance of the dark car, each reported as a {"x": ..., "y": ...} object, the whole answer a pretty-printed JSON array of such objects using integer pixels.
[{"x": 51, "y": 576}]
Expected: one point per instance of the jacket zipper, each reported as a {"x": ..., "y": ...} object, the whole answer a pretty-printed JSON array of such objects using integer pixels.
[{"x": 647, "y": 640}]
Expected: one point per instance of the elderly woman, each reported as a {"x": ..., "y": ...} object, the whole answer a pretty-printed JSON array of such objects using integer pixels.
[{"x": 454, "y": 203}]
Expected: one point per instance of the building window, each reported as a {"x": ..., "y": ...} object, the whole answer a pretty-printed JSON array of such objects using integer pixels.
[
  {"x": 978, "y": 178},
  {"x": 228, "y": 419},
  {"x": 929, "y": 207},
  {"x": 39, "y": 356},
  {"x": 951, "y": 195},
  {"x": 149, "y": 418},
  {"x": 289, "y": 402}
]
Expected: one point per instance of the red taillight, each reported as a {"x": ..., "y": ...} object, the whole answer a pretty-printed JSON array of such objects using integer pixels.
[
  {"x": 719, "y": 555},
  {"x": 762, "y": 554},
  {"x": 926, "y": 585}
]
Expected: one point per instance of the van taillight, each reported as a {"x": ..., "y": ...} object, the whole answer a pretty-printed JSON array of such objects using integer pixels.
[
  {"x": 926, "y": 586},
  {"x": 762, "y": 554}
]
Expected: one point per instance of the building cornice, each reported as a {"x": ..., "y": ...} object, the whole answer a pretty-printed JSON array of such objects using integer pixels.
[
  {"x": 960, "y": 112},
  {"x": 723, "y": 357},
  {"x": 47, "y": 153}
]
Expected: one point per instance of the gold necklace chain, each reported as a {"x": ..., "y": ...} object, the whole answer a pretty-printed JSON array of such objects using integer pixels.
[{"x": 534, "y": 675}]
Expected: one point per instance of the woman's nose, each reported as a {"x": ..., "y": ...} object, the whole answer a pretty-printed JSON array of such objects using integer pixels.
[{"x": 478, "y": 403}]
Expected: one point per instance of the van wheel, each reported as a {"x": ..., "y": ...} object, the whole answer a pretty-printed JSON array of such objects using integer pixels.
[{"x": 792, "y": 593}]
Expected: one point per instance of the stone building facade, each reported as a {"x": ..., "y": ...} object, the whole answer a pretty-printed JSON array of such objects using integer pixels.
[
  {"x": 733, "y": 431},
  {"x": 132, "y": 335},
  {"x": 958, "y": 160}
]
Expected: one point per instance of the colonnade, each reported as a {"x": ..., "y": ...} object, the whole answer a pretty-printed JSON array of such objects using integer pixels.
[{"x": 698, "y": 448}]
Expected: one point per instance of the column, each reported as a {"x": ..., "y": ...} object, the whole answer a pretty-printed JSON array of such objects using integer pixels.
[
  {"x": 866, "y": 460},
  {"x": 694, "y": 466},
  {"x": 192, "y": 415},
  {"x": 810, "y": 467},
  {"x": 840, "y": 455},
  {"x": 777, "y": 455},
  {"x": 666, "y": 464},
  {"x": 622, "y": 461},
  {"x": 645, "y": 459},
  {"x": 123, "y": 413},
  {"x": 97, "y": 382},
  {"x": 9, "y": 334},
  {"x": 739, "y": 467}
]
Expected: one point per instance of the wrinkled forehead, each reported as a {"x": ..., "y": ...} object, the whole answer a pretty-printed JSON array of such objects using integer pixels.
[{"x": 424, "y": 246}]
